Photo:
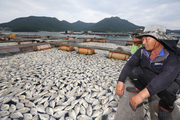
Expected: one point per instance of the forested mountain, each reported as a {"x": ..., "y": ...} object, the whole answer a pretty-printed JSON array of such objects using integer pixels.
[{"x": 34, "y": 24}]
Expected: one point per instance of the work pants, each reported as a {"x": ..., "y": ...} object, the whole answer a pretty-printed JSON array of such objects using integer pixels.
[{"x": 167, "y": 96}]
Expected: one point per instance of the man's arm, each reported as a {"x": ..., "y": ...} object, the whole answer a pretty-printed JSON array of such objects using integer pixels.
[{"x": 138, "y": 98}]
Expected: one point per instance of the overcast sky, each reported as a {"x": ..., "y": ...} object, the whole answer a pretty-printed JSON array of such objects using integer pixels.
[{"x": 139, "y": 12}]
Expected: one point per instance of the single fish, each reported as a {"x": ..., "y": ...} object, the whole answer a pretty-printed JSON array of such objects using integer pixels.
[
  {"x": 44, "y": 116},
  {"x": 16, "y": 115},
  {"x": 89, "y": 110},
  {"x": 72, "y": 114},
  {"x": 49, "y": 111},
  {"x": 4, "y": 107},
  {"x": 12, "y": 108},
  {"x": 27, "y": 116}
]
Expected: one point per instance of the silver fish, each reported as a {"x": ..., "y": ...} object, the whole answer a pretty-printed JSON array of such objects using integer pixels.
[
  {"x": 59, "y": 108},
  {"x": 12, "y": 108},
  {"x": 44, "y": 116},
  {"x": 33, "y": 111},
  {"x": 4, "y": 107},
  {"x": 89, "y": 110},
  {"x": 27, "y": 116},
  {"x": 77, "y": 109},
  {"x": 72, "y": 114},
  {"x": 29, "y": 104},
  {"x": 97, "y": 113},
  {"x": 84, "y": 117},
  {"x": 111, "y": 116},
  {"x": 113, "y": 103},
  {"x": 82, "y": 110},
  {"x": 59, "y": 114},
  {"x": 49, "y": 111},
  {"x": 19, "y": 105},
  {"x": 24, "y": 110},
  {"x": 4, "y": 113},
  {"x": 52, "y": 103},
  {"x": 16, "y": 115},
  {"x": 40, "y": 108},
  {"x": 107, "y": 110}
]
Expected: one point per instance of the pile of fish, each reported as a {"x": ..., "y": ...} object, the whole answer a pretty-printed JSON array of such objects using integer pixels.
[{"x": 59, "y": 85}]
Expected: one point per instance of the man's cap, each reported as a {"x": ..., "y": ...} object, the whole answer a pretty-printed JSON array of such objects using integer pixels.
[
  {"x": 137, "y": 32},
  {"x": 156, "y": 31},
  {"x": 159, "y": 33}
]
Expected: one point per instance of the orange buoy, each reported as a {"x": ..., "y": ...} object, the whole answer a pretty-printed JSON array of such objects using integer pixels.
[
  {"x": 25, "y": 42},
  {"x": 117, "y": 55},
  {"x": 41, "y": 47},
  {"x": 102, "y": 40},
  {"x": 66, "y": 48},
  {"x": 87, "y": 51}
]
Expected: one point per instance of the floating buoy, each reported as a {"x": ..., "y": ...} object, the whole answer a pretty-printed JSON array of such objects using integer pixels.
[
  {"x": 66, "y": 48},
  {"x": 102, "y": 40},
  {"x": 87, "y": 40},
  {"x": 41, "y": 47},
  {"x": 25, "y": 42},
  {"x": 117, "y": 55},
  {"x": 87, "y": 51}
]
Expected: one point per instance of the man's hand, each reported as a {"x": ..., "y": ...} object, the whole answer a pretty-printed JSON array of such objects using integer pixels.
[
  {"x": 138, "y": 99},
  {"x": 120, "y": 88},
  {"x": 135, "y": 101}
]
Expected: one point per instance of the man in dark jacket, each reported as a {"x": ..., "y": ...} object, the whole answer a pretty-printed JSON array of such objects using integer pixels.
[{"x": 154, "y": 69}]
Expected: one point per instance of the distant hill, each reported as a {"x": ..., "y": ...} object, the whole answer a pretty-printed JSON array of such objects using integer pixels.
[
  {"x": 114, "y": 24},
  {"x": 35, "y": 24}
]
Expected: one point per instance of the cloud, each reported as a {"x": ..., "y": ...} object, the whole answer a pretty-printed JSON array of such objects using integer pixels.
[{"x": 139, "y": 12}]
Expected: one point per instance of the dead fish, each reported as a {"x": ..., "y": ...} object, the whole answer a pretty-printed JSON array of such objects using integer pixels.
[
  {"x": 59, "y": 114},
  {"x": 4, "y": 107},
  {"x": 84, "y": 117},
  {"x": 111, "y": 116},
  {"x": 16, "y": 115},
  {"x": 104, "y": 101},
  {"x": 98, "y": 118},
  {"x": 107, "y": 111},
  {"x": 49, "y": 111},
  {"x": 72, "y": 114},
  {"x": 46, "y": 104},
  {"x": 33, "y": 111},
  {"x": 97, "y": 107},
  {"x": 19, "y": 105},
  {"x": 29, "y": 104},
  {"x": 97, "y": 113},
  {"x": 22, "y": 97},
  {"x": 59, "y": 108},
  {"x": 104, "y": 106},
  {"x": 94, "y": 94},
  {"x": 82, "y": 110},
  {"x": 68, "y": 108},
  {"x": 44, "y": 116},
  {"x": 73, "y": 103},
  {"x": 40, "y": 108},
  {"x": 52, "y": 103},
  {"x": 24, "y": 110},
  {"x": 89, "y": 110},
  {"x": 77, "y": 109},
  {"x": 7, "y": 99},
  {"x": 4, "y": 113},
  {"x": 27, "y": 116},
  {"x": 113, "y": 103},
  {"x": 96, "y": 102},
  {"x": 12, "y": 108},
  {"x": 35, "y": 117}
]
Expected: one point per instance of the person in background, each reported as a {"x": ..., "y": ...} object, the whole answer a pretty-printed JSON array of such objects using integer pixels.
[
  {"x": 137, "y": 42},
  {"x": 154, "y": 69}
]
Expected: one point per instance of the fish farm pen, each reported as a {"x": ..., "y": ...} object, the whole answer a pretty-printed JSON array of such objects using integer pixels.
[{"x": 65, "y": 78}]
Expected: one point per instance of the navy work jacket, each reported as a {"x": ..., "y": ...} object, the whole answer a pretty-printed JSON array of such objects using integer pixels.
[{"x": 160, "y": 72}]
